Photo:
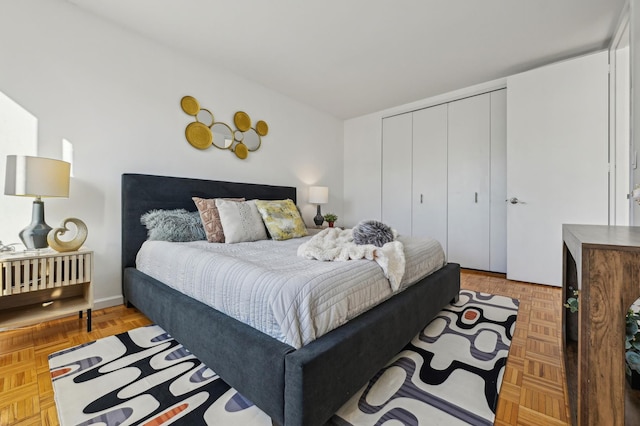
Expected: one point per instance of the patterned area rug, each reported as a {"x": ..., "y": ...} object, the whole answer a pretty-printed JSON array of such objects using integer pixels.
[{"x": 449, "y": 374}]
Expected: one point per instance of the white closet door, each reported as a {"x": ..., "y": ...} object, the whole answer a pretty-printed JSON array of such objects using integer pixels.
[
  {"x": 498, "y": 206},
  {"x": 468, "y": 178},
  {"x": 430, "y": 174},
  {"x": 396, "y": 172}
]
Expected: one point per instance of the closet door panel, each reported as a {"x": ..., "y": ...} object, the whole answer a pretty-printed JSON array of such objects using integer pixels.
[
  {"x": 429, "y": 199},
  {"x": 498, "y": 224},
  {"x": 396, "y": 172},
  {"x": 468, "y": 180}
]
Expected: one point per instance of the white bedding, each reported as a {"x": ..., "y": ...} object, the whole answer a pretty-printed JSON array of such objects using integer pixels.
[
  {"x": 335, "y": 244},
  {"x": 267, "y": 286}
]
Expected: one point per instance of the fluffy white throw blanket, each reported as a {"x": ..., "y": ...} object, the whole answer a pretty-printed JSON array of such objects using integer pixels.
[{"x": 337, "y": 245}]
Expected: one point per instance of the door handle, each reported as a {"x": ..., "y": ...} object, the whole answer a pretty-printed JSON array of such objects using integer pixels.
[
  {"x": 476, "y": 199},
  {"x": 514, "y": 200}
]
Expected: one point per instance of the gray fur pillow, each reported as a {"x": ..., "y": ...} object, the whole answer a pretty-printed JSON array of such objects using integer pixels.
[
  {"x": 372, "y": 232},
  {"x": 173, "y": 225}
]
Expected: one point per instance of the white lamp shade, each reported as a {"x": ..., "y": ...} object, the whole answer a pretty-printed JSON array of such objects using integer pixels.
[
  {"x": 36, "y": 177},
  {"x": 318, "y": 195}
]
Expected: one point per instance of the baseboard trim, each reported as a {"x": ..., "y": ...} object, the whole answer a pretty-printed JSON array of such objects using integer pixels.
[{"x": 107, "y": 302}]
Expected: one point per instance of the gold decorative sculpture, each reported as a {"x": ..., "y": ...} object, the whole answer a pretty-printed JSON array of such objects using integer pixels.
[
  {"x": 73, "y": 244},
  {"x": 205, "y": 131}
]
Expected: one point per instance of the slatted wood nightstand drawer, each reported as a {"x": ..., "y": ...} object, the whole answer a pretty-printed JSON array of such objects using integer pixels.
[{"x": 36, "y": 287}]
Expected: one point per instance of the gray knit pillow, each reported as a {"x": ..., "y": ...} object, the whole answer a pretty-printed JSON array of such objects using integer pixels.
[
  {"x": 372, "y": 232},
  {"x": 173, "y": 225}
]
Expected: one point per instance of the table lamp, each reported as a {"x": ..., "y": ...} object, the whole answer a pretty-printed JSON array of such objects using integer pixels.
[
  {"x": 36, "y": 177},
  {"x": 318, "y": 195}
]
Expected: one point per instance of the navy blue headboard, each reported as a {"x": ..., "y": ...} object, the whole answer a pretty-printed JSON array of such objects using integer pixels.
[{"x": 141, "y": 193}]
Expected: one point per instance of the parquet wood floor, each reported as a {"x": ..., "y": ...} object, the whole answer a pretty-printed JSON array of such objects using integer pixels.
[{"x": 533, "y": 389}]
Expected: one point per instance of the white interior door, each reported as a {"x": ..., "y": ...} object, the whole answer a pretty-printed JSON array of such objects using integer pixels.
[
  {"x": 622, "y": 175},
  {"x": 396, "y": 172},
  {"x": 468, "y": 179},
  {"x": 430, "y": 174},
  {"x": 498, "y": 206},
  {"x": 556, "y": 161}
]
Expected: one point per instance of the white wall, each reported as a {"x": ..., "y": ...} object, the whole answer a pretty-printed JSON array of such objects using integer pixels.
[
  {"x": 116, "y": 97},
  {"x": 363, "y": 169}
]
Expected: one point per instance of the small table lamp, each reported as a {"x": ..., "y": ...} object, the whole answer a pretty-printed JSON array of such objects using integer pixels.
[
  {"x": 36, "y": 177},
  {"x": 318, "y": 195}
]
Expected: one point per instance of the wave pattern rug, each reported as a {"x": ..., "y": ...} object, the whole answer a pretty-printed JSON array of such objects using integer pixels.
[{"x": 449, "y": 374}]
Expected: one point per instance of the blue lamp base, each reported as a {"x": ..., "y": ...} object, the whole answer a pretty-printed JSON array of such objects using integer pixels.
[{"x": 34, "y": 236}]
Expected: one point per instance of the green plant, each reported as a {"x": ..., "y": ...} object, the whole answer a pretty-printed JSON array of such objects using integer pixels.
[
  {"x": 330, "y": 217},
  {"x": 632, "y": 333},
  {"x": 632, "y": 341},
  {"x": 572, "y": 302}
]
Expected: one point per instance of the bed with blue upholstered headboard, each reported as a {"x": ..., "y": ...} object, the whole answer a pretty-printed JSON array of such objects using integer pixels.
[{"x": 294, "y": 387}]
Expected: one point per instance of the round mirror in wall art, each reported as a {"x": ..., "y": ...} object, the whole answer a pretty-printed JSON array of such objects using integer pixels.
[
  {"x": 222, "y": 135},
  {"x": 252, "y": 140},
  {"x": 205, "y": 117}
]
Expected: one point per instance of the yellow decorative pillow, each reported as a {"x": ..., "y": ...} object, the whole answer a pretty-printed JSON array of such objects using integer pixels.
[{"x": 282, "y": 219}]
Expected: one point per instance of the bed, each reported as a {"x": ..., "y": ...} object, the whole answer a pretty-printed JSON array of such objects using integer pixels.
[{"x": 293, "y": 386}]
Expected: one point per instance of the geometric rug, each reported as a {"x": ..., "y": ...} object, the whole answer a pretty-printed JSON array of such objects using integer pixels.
[{"x": 449, "y": 374}]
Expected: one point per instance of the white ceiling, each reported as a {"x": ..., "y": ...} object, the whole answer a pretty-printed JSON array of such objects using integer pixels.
[{"x": 353, "y": 57}]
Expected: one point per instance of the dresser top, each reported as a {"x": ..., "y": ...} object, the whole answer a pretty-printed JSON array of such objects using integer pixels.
[
  {"x": 10, "y": 256},
  {"x": 603, "y": 235}
]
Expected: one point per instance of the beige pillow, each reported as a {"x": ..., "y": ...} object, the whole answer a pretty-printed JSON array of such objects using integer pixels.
[
  {"x": 211, "y": 218},
  {"x": 241, "y": 221}
]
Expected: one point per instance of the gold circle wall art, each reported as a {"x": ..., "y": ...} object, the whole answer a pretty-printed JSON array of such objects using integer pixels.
[
  {"x": 198, "y": 135},
  {"x": 262, "y": 128},
  {"x": 241, "y": 151},
  {"x": 204, "y": 131},
  {"x": 190, "y": 105},
  {"x": 242, "y": 121}
]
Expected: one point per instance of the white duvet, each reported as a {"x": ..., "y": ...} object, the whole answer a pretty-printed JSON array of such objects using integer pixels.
[
  {"x": 335, "y": 244},
  {"x": 267, "y": 286}
]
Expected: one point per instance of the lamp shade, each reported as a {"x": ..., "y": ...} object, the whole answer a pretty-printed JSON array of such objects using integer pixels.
[
  {"x": 318, "y": 195},
  {"x": 36, "y": 177}
]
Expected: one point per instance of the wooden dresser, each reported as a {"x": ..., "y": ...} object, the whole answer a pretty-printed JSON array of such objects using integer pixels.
[{"x": 603, "y": 262}]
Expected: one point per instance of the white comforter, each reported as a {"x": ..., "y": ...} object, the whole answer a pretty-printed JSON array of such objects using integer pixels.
[
  {"x": 335, "y": 244},
  {"x": 266, "y": 285}
]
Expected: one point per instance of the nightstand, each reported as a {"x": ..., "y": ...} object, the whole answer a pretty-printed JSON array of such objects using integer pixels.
[
  {"x": 313, "y": 230},
  {"x": 44, "y": 285}
]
